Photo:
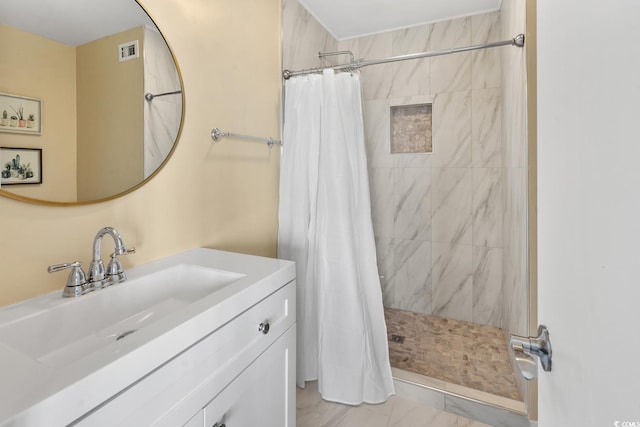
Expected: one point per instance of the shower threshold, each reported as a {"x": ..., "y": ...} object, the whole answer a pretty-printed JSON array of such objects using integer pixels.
[{"x": 457, "y": 366}]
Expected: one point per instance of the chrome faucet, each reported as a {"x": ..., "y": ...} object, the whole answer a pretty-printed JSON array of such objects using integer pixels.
[
  {"x": 98, "y": 278},
  {"x": 78, "y": 284}
]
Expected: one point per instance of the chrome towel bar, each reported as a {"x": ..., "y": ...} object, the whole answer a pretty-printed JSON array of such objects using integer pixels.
[
  {"x": 150, "y": 96},
  {"x": 217, "y": 135}
]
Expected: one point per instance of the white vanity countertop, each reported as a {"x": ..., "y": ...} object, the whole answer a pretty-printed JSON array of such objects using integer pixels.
[{"x": 33, "y": 392}]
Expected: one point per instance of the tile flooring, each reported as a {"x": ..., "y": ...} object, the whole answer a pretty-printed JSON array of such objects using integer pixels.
[
  {"x": 312, "y": 411},
  {"x": 458, "y": 358},
  {"x": 463, "y": 353}
]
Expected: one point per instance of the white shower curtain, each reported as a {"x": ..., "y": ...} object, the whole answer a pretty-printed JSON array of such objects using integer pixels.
[{"x": 326, "y": 228}]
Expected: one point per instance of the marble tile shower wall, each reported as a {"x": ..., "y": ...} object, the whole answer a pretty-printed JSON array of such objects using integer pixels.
[
  {"x": 514, "y": 135},
  {"x": 302, "y": 38},
  {"x": 514, "y": 153},
  {"x": 438, "y": 217}
]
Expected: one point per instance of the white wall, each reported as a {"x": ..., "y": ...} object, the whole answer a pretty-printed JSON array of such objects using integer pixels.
[{"x": 589, "y": 210}]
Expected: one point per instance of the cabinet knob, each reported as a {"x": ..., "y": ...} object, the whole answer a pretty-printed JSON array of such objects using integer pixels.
[{"x": 264, "y": 328}]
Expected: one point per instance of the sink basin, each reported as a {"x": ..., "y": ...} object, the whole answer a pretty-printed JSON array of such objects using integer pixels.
[{"x": 59, "y": 335}]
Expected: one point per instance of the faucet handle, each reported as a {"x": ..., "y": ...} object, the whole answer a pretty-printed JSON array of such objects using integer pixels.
[
  {"x": 115, "y": 255},
  {"x": 59, "y": 267},
  {"x": 76, "y": 282},
  {"x": 115, "y": 272}
]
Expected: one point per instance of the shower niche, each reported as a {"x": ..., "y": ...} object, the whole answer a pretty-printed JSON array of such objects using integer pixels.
[{"x": 411, "y": 128}]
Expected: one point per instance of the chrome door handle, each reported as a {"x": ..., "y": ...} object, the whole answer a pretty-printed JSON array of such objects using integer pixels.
[{"x": 539, "y": 347}]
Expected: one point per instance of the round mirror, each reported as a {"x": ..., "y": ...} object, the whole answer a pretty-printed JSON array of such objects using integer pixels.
[{"x": 91, "y": 100}]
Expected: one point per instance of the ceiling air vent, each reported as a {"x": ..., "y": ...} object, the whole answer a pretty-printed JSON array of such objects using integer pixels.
[{"x": 127, "y": 51}]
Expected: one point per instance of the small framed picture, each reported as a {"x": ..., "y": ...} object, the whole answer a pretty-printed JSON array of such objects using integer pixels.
[
  {"x": 20, "y": 166},
  {"x": 19, "y": 114}
]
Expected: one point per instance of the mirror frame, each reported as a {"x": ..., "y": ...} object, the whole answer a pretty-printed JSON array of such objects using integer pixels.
[{"x": 31, "y": 200}]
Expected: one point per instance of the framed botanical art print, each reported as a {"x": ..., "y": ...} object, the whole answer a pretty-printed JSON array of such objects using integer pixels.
[
  {"x": 20, "y": 166},
  {"x": 20, "y": 114}
]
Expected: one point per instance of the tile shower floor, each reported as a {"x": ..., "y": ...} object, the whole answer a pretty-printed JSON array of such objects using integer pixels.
[{"x": 463, "y": 353}]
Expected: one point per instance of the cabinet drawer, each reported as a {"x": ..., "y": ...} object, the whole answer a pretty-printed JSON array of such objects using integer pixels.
[
  {"x": 177, "y": 390},
  {"x": 263, "y": 395}
]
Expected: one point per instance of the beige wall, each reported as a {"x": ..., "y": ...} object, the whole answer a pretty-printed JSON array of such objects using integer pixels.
[
  {"x": 109, "y": 131},
  {"x": 221, "y": 196},
  {"x": 44, "y": 69}
]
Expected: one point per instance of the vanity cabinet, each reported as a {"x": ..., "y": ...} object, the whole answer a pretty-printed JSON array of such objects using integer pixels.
[
  {"x": 242, "y": 374},
  {"x": 197, "y": 420},
  {"x": 260, "y": 395}
]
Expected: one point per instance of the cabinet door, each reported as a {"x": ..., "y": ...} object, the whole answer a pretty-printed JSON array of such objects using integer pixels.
[{"x": 262, "y": 395}]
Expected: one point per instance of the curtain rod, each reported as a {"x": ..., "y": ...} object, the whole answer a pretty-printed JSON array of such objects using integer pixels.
[{"x": 356, "y": 65}]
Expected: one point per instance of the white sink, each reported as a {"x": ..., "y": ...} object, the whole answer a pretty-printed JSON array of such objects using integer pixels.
[
  {"x": 60, "y": 335},
  {"x": 62, "y": 357}
]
